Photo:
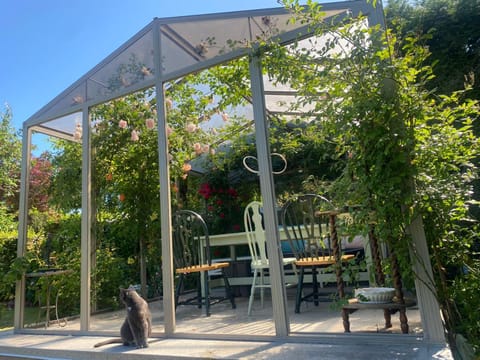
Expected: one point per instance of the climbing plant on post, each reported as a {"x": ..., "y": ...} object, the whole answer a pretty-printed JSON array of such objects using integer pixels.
[{"x": 407, "y": 151}]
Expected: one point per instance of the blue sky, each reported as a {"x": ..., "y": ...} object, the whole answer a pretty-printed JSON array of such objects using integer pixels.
[{"x": 46, "y": 45}]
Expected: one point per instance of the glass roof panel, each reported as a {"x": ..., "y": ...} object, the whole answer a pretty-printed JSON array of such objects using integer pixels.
[
  {"x": 71, "y": 99},
  {"x": 282, "y": 98},
  {"x": 184, "y": 44},
  {"x": 133, "y": 66},
  {"x": 173, "y": 56},
  {"x": 66, "y": 127},
  {"x": 197, "y": 41}
]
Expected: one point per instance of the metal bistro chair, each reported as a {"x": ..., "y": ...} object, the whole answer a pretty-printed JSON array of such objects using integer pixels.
[
  {"x": 191, "y": 250},
  {"x": 309, "y": 225},
  {"x": 254, "y": 228}
]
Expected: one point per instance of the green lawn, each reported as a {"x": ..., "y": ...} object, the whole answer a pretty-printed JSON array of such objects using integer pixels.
[{"x": 6, "y": 316}]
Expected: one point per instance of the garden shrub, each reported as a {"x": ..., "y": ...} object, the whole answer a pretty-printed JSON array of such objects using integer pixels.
[
  {"x": 8, "y": 253},
  {"x": 465, "y": 289}
]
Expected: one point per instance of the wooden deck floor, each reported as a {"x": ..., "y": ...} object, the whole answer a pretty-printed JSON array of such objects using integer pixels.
[{"x": 224, "y": 320}]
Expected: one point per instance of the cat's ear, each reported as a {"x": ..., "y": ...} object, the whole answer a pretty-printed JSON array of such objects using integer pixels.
[{"x": 123, "y": 293}]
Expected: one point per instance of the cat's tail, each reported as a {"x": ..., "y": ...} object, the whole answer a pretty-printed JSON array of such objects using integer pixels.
[{"x": 109, "y": 341}]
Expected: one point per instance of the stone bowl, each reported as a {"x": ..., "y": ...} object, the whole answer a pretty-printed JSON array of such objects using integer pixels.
[{"x": 375, "y": 295}]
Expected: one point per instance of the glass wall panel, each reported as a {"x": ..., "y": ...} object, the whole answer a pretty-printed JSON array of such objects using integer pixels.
[
  {"x": 53, "y": 239},
  {"x": 126, "y": 225},
  {"x": 210, "y": 132}
]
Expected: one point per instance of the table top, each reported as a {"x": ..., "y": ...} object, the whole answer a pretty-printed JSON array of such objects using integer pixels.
[
  {"x": 321, "y": 260},
  {"x": 355, "y": 304}
]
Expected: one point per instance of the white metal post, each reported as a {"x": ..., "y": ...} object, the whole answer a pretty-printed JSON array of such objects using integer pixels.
[
  {"x": 86, "y": 225},
  {"x": 22, "y": 225},
  {"x": 165, "y": 201},
  {"x": 279, "y": 295},
  {"x": 433, "y": 329}
]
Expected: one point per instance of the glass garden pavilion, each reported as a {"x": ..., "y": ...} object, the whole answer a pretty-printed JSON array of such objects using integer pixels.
[{"x": 169, "y": 49}]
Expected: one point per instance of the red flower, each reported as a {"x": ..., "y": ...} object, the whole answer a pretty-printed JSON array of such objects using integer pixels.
[
  {"x": 236, "y": 227},
  {"x": 222, "y": 215},
  {"x": 219, "y": 202},
  {"x": 232, "y": 192},
  {"x": 205, "y": 190}
]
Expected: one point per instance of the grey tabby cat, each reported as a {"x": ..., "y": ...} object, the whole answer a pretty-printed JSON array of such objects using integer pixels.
[{"x": 137, "y": 326}]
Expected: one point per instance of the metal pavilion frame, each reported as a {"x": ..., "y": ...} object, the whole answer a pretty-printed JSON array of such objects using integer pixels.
[{"x": 55, "y": 119}]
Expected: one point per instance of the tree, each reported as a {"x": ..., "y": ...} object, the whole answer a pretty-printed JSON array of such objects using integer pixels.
[
  {"x": 40, "y": 180},
  {"x": 454, "y": 40},
  {"x": 10, "y": 159},
  {"x": 66, "y": 183}
]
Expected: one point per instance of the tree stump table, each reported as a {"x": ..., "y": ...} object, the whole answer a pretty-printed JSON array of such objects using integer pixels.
[{"x": 388, "y": 310}]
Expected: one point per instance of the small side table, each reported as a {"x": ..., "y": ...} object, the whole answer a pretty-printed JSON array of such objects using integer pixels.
[
  {"x": 49, "y": 273},
  {"x": 391, "y": 307}
]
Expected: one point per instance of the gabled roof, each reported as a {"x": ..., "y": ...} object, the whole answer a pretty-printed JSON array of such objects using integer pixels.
[{"x": 170, "y": 48}]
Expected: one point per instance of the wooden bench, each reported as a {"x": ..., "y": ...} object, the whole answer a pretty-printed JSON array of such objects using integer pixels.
[{"x": 388, "y": 309}]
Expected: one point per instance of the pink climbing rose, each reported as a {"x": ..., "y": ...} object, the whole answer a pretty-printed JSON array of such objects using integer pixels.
[
  {"x": 134, "y": 136},
  {"x": 197, "y": 147},
  {"x": 150, "y": 123},
  {"x": 191, "y": 127}
]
